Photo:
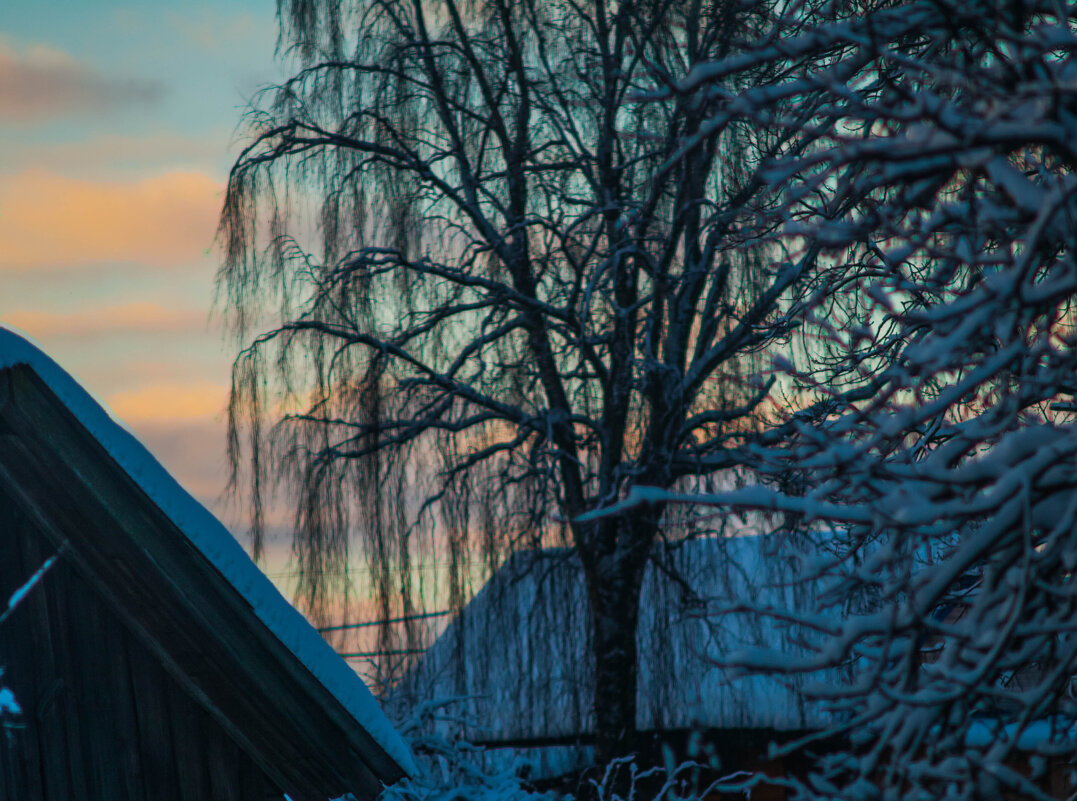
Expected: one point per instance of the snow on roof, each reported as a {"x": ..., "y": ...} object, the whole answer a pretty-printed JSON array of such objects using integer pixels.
[
  {"x": 519, "y": 652},
  {"x": 215, "y": 542}
]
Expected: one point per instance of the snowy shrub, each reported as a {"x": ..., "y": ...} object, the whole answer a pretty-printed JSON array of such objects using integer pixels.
[
  {"x": 455, "y": 770},
  {"x": 624, "y": 780},
  {"x": 452, "y": 769}
]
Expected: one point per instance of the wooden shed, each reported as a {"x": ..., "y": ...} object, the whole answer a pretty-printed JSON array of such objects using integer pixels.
[
  {"x": 153, "y": 660},
  {"x": 517, "y": 659},
  {"x": 515, "y": 662}
]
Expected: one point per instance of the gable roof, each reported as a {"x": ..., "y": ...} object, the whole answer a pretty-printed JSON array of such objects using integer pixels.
[
  {"x": 519, "y": 653},
  {"x": 185, "y": 585}
]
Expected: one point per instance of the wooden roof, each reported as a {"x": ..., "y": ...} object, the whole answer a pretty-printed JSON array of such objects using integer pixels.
[
  {"x": 518, "y": 655},
  {"x": 261, "y": 671}
]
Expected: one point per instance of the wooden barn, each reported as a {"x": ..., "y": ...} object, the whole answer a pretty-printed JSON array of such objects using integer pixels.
[
  {"x": 517, "y": 658},
  {"x": 516, "y": 663},
  {"x": 152, "y": 660}
]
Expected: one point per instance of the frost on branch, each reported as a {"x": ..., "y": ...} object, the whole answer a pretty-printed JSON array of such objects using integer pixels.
[
  {"x": 9, "y": 706},
  {"x": 452, "y": 769},
  {"x": 939, "y": 162}
]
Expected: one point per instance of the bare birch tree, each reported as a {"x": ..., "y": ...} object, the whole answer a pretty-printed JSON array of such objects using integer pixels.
[
  {"x": 948, "y": 136},
  {"x": 484, "y": 286}
]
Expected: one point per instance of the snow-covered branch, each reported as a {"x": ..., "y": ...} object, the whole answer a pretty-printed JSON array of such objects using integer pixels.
[
  {"x": 941, "y": 161},
  {"x": 8, "y": 703}
]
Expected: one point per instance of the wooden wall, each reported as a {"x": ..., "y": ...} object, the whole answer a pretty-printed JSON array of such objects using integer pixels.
[{"x": 102, "y": 721}]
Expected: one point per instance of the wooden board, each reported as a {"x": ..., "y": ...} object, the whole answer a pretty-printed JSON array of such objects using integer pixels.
[
  {"x": 171, "y": 598},
  {"x": 127, "y": 730}
]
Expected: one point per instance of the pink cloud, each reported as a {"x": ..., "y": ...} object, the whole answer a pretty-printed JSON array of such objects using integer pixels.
[
  {"x": 48, "y": 220},
  {"x": 110, "y": 153},
  {"x": 192, "y": 450},
  {"x": 38, "y": 83}
]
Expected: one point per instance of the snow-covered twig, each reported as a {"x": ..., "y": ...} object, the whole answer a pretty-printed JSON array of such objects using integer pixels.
[
  {"x": 8, "y": 703},
  {"x": 941, "y": 161},
  {"x": 20, "y": 594}
]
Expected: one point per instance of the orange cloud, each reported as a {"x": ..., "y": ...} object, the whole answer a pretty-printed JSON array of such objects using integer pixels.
[
  {"x": 39, "y": 83},
  {"x": 47, "y": 220},
  {"x": 170, "y": 402},
  {"x": 108, "y": 154},
  {"x": 131, "y": 318}
]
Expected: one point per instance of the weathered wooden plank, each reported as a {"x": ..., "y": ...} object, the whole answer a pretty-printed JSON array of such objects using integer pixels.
[
  {"x": 68, "y": 667},
  {"x": 25, "y": 678},
  {"x": 151, "y": 705},
  {"x": 48, "y": 724},
  {"x": 188, "y": 722},
  {"x": 12, "y": 781},
  {"x": 202, "y": 629},
  {"x": 127, "y": 759},
  {"x": 101, "y": 731},
  {"x": 82, "y": 683},
  {"x": 12, "y": 784},
  {"x": 222, "y": 755},
  {"x": 252, "y": 781}
]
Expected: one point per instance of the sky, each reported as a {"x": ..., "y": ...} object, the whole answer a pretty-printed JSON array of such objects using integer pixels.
[{"x": 118, "y": 123}]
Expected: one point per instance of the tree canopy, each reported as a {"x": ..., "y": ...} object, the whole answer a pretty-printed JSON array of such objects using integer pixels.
[
  {"x": 493, "y": 269},
  {"x": 512, "y": 274}
]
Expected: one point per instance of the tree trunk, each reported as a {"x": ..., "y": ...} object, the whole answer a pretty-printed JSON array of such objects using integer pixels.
[
  {"x": 615, "y": 614},
  {"x": 614, "y": 588}
]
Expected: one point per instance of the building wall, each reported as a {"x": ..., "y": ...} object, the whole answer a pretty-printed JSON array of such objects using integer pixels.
[
  {"x": 518, "y": 657},
  {"x": 101, "y": 719}
]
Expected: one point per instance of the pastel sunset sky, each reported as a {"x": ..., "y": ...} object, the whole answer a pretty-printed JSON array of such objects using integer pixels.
[{"x": 118, "y": 123}]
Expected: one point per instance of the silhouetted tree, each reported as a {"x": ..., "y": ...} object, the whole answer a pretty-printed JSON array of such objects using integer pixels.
[{"x": 490, "y": 275}]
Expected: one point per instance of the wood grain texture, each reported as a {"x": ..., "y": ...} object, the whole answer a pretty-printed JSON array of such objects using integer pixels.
[
  {"x": 128, "y": 730},
  {"x": 168, "y": 596}
]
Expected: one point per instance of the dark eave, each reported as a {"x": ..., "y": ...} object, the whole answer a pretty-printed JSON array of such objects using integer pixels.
[{"x": 205, "y": 632}]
